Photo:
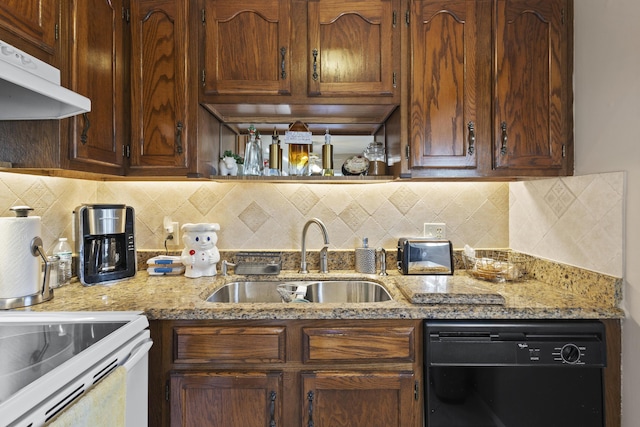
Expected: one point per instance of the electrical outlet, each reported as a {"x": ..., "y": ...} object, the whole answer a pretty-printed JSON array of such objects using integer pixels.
[
  {"x": 172, "y": 230},
  {"x": 434, "y": 230}
]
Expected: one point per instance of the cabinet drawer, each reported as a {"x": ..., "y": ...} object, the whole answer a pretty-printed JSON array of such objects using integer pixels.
[
  {"x": 386, "y": 344},
  {"x": 229, "y": 344}
]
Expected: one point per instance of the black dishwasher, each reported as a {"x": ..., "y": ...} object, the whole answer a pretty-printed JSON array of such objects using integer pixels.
[{"x": 514, "y": 373}]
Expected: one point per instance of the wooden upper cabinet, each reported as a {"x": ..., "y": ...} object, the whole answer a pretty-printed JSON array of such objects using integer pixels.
[
  {"x": 159, "y": 93},
  {"x": 247, "y": 47},
  {"x": 36, "y": 22},
  {"x": 531, "y": 84},
  {"x": 490, "y": 89},
  {"x": 352, "y": 48},
  {"x": 443, "y": 89},
  {"x": 97, "y": 71}
]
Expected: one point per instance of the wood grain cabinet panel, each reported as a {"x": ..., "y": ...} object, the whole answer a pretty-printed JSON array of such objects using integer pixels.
[
  {"x": 34, "y": 22},
  {"x": 531, "y": 84},
  {"x": 351, "y": 47},
  {"x": 98, "y": 69},
  {"x": 380, "y": 399},
  {"x": 226, "y": 399},
  {"x": 229, "y": 344},
  {"x": 358, "y": 344},
  {"x": 444, "y": 78},
  {"x": 247, "y": 47},
  {"x": 160, "y": 113},
  {"x": 490, "y": 90},
  {"x": 325, "y": 373}
]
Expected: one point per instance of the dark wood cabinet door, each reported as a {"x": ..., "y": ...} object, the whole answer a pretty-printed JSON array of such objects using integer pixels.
[
  {"x": 159, "y": 94},
  {"x": 97, "y": 72},
  {"x": 247, "y": 47},
  {"x": 351, "y": 47},
  {"x": 35, "y": 22},
  {"x": 444, "y": 79},
  {"x": 532, "y": 85},
  {"x": 226, "y": 399},
  {"x": 372, "y": 399}
]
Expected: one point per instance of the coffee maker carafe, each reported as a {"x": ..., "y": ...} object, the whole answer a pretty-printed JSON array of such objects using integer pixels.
[{"x": 105, "y": 243}]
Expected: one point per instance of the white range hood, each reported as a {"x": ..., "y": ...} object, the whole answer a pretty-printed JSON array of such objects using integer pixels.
[{"x": 30, "y": 89}]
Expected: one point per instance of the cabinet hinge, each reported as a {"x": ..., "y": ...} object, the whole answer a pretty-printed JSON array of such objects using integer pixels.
[
  {"x": 203, "y": 16},
  {"x": 204, "y": 77},
  {"x": 407, "y": 18},
  {"x": 126, "y": 151},
  {"x": 56, "y": 31},
  {"x": 563, "y": 17},
  {"x": 166, "y": 391},
  {"x": 564, "y": 151},
  {"x": 126, "y": 15},
  {"x": 395, "y": 80},
  {"x": 407, "y": 151},
  {"x": 395, "y": 17},
  {"x": 416, "y": 390}
]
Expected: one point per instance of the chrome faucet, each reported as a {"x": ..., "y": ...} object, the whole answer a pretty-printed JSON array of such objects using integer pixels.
[{"x": 324, "y": 268}]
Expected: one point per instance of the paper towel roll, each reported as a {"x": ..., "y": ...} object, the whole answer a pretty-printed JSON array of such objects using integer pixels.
[{"x": 19, "y": 269}]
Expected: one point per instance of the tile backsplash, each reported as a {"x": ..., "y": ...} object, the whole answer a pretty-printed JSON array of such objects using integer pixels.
[
  {"x": 576, "y": 220},
  {"x": 259, "y": 216}
]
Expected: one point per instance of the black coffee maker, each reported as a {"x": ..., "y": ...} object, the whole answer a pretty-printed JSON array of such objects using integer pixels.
[{"x": 105, "y": 243}]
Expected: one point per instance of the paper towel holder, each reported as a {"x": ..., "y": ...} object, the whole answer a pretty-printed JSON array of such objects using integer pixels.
[{"x": 45, "y": 294}]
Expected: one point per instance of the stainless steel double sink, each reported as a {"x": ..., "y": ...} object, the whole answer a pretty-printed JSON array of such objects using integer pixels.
[{"x": 320, "y": 291}]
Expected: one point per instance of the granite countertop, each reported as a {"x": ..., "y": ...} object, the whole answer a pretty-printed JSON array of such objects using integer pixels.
[{"x": 549, "y": 295}]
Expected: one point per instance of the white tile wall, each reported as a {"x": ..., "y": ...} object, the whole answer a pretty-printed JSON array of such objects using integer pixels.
[{"x": 575, "y": 220}]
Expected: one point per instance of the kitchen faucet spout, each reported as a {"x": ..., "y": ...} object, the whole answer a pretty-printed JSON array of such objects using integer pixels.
[{"x": 323, "y": 254}]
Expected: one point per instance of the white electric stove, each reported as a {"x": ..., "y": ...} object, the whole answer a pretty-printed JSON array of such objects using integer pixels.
[{"x": 50, "y": 360}]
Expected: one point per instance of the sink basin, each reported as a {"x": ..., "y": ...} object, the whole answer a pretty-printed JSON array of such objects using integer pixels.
[
  {"x": 326, "y": 291},
  {"x": 346, "y": 291}
]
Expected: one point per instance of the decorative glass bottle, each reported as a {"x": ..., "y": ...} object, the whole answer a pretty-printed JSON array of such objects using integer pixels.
[{"x": 253, "y": 155}]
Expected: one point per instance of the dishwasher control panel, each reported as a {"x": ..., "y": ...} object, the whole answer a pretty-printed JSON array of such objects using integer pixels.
[
  {"x": 572, "y": 353},
  {"x": 505, "y": 343}
]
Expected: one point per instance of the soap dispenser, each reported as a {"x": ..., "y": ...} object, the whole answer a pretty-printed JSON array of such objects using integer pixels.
[{"x": 365, "y": 258}]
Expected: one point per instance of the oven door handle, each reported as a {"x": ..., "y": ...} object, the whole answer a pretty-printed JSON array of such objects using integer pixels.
[{"x": 137, "y": 353}]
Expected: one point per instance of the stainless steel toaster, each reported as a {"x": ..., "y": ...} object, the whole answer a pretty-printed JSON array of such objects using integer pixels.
[{"x": 425, "y": 256}]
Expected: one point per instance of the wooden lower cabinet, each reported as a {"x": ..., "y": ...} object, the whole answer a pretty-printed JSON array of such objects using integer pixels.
[
  {"x": 321, "y": 373},
  {"x": 372, "y": 399},
  {"x": 230, "y": 399}
]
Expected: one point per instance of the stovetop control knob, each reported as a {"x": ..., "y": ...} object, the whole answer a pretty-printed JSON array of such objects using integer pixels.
[{"x": 570, "y": 353}]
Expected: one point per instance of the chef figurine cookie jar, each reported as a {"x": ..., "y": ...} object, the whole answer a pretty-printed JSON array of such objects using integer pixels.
[{"x": 200, "y": 254}]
